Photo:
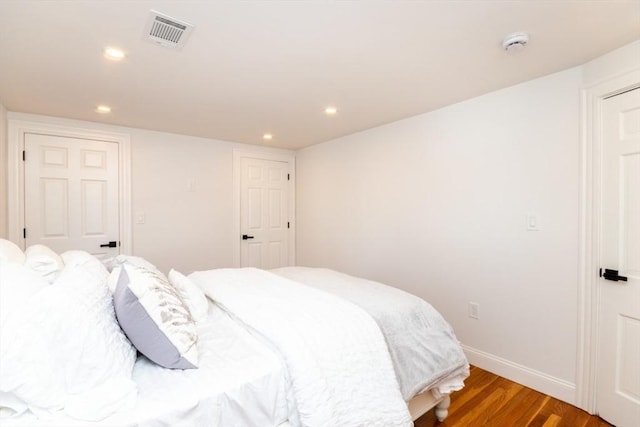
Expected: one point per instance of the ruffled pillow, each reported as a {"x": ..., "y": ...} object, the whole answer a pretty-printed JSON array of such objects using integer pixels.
[
  {"x": 18, "y": 284},
  {"x": 86, "y": 261},
  {"x": 10, "y": 252},
  {"x": 62, "y": 346},
  {"x": 44, "y": 261}
]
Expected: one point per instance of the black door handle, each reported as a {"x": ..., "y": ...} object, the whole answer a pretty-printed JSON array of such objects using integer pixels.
[
  {"x": 245, "y": 237},
  {"x": 612, "y": 275},
  {"x": 111, "y": 244}
]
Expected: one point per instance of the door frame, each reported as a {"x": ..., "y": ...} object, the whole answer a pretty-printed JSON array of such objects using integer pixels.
[
  {"x": 288, "y": 158},
  {"x": 18, "y": 125},
  {"x": 592, "y": 99}
]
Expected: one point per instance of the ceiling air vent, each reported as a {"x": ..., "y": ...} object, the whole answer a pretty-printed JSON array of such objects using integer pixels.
[{"x": 167, "y": 31}]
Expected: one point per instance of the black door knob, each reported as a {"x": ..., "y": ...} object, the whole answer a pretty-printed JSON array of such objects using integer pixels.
[{"x": 612, "y": 275}]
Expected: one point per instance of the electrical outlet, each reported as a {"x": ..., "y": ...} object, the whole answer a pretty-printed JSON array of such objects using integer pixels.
[{"x": 474, "y": 310}]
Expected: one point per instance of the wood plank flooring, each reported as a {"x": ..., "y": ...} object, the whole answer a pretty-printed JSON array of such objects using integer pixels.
[{"x": 490, "y": 400}]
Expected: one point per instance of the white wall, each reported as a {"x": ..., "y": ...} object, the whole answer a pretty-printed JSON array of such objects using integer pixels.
[
  {"x": 619, "y": 61},
  {"x": 185, "y": 230},
  {"x": 436, "y": 205},
  {"x": 3, "y": 172}
]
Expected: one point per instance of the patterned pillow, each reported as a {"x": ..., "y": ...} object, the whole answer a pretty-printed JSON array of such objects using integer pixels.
[
  {"x": 191, "y": 294},
  {"x": 155, "y": 318}
]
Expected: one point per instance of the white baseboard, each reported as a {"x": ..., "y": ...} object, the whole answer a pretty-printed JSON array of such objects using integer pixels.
[{"x": 539, "y": 381}]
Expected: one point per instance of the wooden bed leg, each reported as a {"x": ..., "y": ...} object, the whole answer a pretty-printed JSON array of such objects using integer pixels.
[{"x": 442, "y": 408}]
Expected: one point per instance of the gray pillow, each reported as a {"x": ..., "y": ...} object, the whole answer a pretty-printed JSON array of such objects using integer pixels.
[{"x": 155, "y": 319}]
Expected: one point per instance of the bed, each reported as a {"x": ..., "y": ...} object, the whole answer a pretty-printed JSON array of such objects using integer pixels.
[
  {"x": 412, "y": 329},
  {"x": 288, "y": 347}
]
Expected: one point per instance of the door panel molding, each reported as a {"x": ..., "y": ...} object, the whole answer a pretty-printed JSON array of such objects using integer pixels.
[
  {"x": 289, "y": 158},
  {"x": 17, "y": 127},
  {"x": 589, "y": 247}
]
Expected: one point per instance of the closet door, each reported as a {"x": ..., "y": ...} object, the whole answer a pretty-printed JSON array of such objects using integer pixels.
[
  {"x": 264, "y": 207},
  {"x": 71, "y": 194}
]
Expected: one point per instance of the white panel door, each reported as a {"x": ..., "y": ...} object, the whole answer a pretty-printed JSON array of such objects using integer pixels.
[
  {"x": 264, "y": 221},
  {"x": 71, "y": 194},
  {"x": 618, "y": 384}
]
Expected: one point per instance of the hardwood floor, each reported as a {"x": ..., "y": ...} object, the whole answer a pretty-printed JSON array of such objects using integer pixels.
[{"x": 490, "y": 400}]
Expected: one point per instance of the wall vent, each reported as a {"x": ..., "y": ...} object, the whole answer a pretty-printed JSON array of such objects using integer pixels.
[{"x": 167, "y": 31}]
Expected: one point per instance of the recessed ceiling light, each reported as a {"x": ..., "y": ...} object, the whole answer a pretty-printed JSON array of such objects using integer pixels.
[
  {"x": 267, "y": 136},
  {"x": 113, "y": 53},
  {"x": 103, "y": 109},
  {"x": 330, "y": 111}
]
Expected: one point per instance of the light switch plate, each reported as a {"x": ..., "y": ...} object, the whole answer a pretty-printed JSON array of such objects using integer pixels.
[{"x": 533, "y": 222}]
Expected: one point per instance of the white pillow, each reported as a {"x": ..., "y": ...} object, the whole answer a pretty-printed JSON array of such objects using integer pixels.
[
  {"x": 155, "y": 318},
  {"x": 10, "y": 252},
  {"x": 63, "y": 344},
  {"x": 136, "y": 261},
  {"x": 17, "y": 284},
  {"x": 44, "y": 261},
  {"x": 88, "y": 262},
  {"x": 191, "y": 294},
  {"x": 114, "y": 265},
  {"x": 112, "y": 280}
]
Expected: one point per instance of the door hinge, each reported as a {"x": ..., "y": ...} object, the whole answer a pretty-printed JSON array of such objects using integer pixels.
[
  {"x": 24, "y": 233},
  {"x": 24, "y": 155},
  {"x": 288, "y": 226},
  {"x": 288, "y": 177}
]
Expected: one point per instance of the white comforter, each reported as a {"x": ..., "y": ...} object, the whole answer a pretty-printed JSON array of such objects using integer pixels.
[
  {"x": 423, "y": 347},
  {"x": 340, "y": 376}
]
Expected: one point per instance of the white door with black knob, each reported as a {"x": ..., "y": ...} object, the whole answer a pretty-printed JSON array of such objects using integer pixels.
[
  {"x": 618, "y": 377},
  {"x": 264, "y": 213},
  {"x": 71, "y": 194}
]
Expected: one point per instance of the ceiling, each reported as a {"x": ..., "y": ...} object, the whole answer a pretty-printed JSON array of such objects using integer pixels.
[{"x": 255, "y": 67}]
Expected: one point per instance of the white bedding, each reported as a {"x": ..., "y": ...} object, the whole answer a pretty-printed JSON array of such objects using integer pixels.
[
  {"x": 277, "y": 352},
  {"x": 239, "y": 383},
  {"x": 340, "y": 376},
  {"x": 425, "y": 352}
]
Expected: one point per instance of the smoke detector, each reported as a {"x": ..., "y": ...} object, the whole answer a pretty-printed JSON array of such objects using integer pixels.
[
  {"x": 515, "y": 42},
  {"x": 166, "y": 31}
]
